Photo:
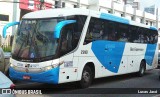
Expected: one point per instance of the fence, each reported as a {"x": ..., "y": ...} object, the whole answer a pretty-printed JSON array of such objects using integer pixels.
[{"x": 6, "y": 43}]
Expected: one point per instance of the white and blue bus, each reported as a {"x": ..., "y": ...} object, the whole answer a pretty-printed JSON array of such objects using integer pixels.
[{"x": 65, "y": 45}]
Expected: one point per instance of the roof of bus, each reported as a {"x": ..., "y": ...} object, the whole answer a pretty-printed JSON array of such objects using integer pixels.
[{"x": 59, "y": 12}]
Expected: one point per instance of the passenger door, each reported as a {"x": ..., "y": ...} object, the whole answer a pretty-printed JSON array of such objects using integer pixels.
[{"x": 68, "y": 71}]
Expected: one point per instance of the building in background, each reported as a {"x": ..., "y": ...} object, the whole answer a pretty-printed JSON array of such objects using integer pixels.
[
  {"x": 6, "y": 13},
  {"x": 150, "y": 9},
  {"x": 6, "y": 16},
  {"x": 27, "y": 6},
  {"x": 119, "y": 1},
  {"x": 16, "y": 9},
  {"x": 134, "y": 3},
  {"x": 13, "y": 10}
]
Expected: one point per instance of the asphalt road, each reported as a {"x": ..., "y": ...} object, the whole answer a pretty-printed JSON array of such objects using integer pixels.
[{"x": 117, "y": 84}]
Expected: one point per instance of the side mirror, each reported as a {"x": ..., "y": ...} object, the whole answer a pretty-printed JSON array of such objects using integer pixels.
[
  {"x": 7, "y": 26},
  {"x": 60, "y": 25}
]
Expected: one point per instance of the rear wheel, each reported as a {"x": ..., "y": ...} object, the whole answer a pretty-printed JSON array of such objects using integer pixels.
[
  {"x": 142, "y": 69},
  {"x": 86, "y": 78}
]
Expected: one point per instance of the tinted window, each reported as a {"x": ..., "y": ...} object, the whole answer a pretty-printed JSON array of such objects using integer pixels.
[
  {"x": 71, "y": 33},
  {"x": 4, "y": 17},
  {"x": 100, "y": 29},
  {"x": 95, "y": 30},
  {"x": 123, "y": 32}
]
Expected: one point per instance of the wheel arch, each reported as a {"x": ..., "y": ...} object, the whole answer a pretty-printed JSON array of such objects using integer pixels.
[
  {"x": 91, "y": 65},
  {"x": 144, "y": 62},
  {"x": 142, "y": 68}
]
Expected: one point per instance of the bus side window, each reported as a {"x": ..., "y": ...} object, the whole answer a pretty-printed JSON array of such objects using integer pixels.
[
  {"x": 141, "y": 32},
  {"x": 150, "y": 37},
  {"x": 123, "y": 32},
  {"x": 137, "y": 35},
  {"x": 95, "y": 30},
  {"x": 71, "y": 34},
  {"x": 132, "y": 35},
  {"x": 111, "y": 31},
  {"x": 76, "y": 37},
  {"x": 105, "y": 30},
  {"x": 66, "y": 40},
  {"x": 146, "y": 34},
  {"x": 154, "y": 37},
  {"x": 77, "y": 28}
]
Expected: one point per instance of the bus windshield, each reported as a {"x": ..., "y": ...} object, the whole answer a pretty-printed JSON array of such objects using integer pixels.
[{"x": 34, "y": 40}]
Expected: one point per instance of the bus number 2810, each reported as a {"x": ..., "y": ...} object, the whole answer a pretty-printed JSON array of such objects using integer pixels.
[{"x": 84, "y": 51}]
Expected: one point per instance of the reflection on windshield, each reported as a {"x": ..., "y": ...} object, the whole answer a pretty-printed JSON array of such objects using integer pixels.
[{"x": 34, "y": 39}]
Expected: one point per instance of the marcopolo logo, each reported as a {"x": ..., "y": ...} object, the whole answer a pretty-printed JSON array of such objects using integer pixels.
[{"x": 26, "y": 67}]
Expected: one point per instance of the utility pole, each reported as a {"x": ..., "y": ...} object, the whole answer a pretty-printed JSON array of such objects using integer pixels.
[
  {"x": 41, "y": 4},
  {"x": 78, "y": 3},
  {"x": 59, "y": 4},
  {"x": 157, "y": 18}
]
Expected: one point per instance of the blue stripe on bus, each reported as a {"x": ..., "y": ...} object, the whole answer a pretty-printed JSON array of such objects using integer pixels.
[
  {"x": 114, "y": 18},
  {"x": 109, "y": 53},
  {"x": 50, "y": 76},
  {"x": 7, "y": 26},
  {"x": 60, "y": 25},
  {"x": 153, "y": 28},
  {"x": 150, "y": 52}
]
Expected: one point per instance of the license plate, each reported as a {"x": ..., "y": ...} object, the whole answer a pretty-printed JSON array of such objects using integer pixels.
[{"x": 26, "y": 77}]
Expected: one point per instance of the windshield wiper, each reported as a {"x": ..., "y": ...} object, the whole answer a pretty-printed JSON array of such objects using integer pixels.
[
  {"x": 22, "y": 43},
  {"x": 34, "y": 41}
]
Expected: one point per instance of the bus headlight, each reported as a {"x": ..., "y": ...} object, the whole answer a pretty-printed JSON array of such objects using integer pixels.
[
  {"x": 13, "y": 66},
  {"x": 52, "y": 66},
  {"x": 48, "y": 68},
  {"x": 56, "y": 65}
]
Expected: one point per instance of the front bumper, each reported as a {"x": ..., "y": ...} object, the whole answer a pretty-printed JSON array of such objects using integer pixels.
[{"x": 50, "y": 76}]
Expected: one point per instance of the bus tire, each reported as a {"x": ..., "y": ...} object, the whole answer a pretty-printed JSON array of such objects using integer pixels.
[
  {"x": 142, "y": 69},
  {"x": 86, "y": 78}
]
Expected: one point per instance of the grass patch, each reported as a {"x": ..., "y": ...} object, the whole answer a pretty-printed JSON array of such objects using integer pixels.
[{"x": 7, "y": 48}]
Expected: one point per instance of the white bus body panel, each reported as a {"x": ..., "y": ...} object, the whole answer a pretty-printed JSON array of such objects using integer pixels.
[
  {"x": 74, "y": 62},
  {"x": 50, "y": 13},
  {"x": 68, "y": 70}
]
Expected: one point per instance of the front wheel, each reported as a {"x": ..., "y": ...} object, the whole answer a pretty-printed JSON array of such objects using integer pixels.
[
  {"x": 142, "y": 69},
  {"x": 86, "y": 78}
]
